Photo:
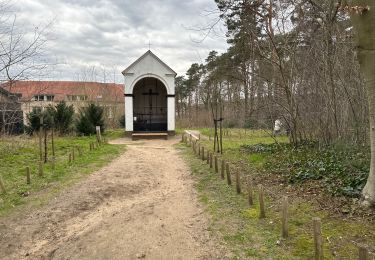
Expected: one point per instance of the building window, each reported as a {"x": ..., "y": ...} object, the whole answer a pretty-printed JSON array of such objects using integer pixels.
[
  {"x": 43, "y": 98},
  {"x": 77, "y": 97}
]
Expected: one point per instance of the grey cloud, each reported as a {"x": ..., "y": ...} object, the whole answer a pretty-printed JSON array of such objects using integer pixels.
[{"x": 112, "y": 33}]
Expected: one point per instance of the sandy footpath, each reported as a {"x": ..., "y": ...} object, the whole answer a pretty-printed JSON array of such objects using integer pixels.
[{"x": 141, "y": 206}]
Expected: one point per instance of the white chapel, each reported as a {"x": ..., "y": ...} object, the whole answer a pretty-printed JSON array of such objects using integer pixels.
[{"x": 149, "y": 96}]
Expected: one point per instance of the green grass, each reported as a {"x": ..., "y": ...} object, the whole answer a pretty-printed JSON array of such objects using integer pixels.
[
  {"x": 238, "y": 224},
  {"x": 114, "y": 133},
  {"x": 20, "y": 152}
]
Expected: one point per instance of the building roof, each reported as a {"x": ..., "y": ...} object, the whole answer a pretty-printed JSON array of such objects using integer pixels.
[
  {"x": 10, "y": 96},
  {"x": 149, "y": 52},
  {"x": 107, "y": 92}
]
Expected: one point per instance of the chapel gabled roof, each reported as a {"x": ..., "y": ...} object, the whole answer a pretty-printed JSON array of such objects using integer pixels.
[{"x": 149, "y": 52}]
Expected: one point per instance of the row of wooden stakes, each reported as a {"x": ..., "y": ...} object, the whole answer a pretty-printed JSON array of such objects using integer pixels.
[
  {"x": 213, "y": 162},
  {"x": 71, "y": 159}
]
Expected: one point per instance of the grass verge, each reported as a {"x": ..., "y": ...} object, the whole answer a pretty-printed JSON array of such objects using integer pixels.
[
  {"x": 20, "y": 152},
  {"x": 247, "y": 236}
]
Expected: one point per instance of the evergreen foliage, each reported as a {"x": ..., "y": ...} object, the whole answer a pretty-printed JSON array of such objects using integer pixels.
[
  {"x": 89, "y": 118},
  {"x": 59, "y": 117},
  {"x": 63, "y": 117},
  {"x": 33, "y": 119}
]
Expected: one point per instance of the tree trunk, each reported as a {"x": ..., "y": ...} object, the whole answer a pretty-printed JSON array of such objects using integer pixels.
[{"x": 364, "y": 24}]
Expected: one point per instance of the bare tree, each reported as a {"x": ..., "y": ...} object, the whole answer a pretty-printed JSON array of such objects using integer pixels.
[{"x": 22, "y": 56}]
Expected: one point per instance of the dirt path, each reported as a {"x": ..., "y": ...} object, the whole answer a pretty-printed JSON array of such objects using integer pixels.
[{"x": 142, "y": 205}]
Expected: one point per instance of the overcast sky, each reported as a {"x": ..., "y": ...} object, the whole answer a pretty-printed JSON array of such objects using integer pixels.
[{"x": 111, "y": 34}]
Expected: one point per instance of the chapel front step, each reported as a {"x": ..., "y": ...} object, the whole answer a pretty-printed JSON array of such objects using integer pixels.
[{"x": 148, "y": 135}]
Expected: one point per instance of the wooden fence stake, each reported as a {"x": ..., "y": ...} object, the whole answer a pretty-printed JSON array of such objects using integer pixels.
[
  {"x": 28, "y": 176},
  {"x": 216, "y": 165},
  {"x": 70, "y": 158},
  {"x": 73, "y": 155},
  {"x": 222, "y": 169},
  {"x": 40, "y": 169},
  {"x": 2, "y": 185},
  {"x": 238, "y": 182},
  {"x": 79, "y": 148},
  {"x": 284, "y": 218},
  {"x": 262, "y": 213},
  {"x": 182, "y": 138},
  {"x": 318, "y": 240},
  {"x": 199, "y": 150},
  {"x": 229, "y": 180},
  {"x": 211, "y": 161},
  {"x": 40, "y": 138},
  {"x": 98, "y": 134},
  {"x": 363, "y": 253},
  {"x": 208, "y": 156},
  {"x": 202, "y": 153},
  {"x": 250, "y": 191}
]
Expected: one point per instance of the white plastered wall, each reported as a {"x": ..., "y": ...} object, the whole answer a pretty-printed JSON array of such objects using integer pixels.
[{"x": 149, "y": 66}]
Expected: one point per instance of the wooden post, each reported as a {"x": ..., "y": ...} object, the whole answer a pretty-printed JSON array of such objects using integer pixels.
[
  {"x": 73, "y": 154},
  {"x": 208, "y": 156},
  {"x": 28, "y": 177},
  {"x": 229, "y": 180},
  {"x": 216, "y": 165},
  {"x": 262, "y": 213},
  {"x": 211, "y": 161},
  {"x": 40, "y": 169},
  {"x": 199, "y": 150},
  {"x": 250, "y": 191},
  {"x": 53, "y": 141},
  {"x": 182, "y": 138},
  {"x": 202, "y": 153},
  {"x": 40, "y": 139},
  {"x": 98, "y": 134},
  {"x": 2, "y": 185},
  {"x": 70, "y": 158},
  {"x": 199, "y": 137},
  {"x": 238, "y": 182},
  {"x": 222, "y": 169},
  {"x": 79, "y": 148},
  {"x": 45, "y": 145},
  {"x": 284, "y": 218},
  {"x": 363, "y": 253},
  {"x": 318, "y": 240}
]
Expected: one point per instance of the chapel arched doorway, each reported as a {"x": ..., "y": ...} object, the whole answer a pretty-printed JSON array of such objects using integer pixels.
[{"x": 150, "y": 106}]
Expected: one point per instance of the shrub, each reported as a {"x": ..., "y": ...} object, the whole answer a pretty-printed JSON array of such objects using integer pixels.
[
  {"x": 33, "y": 120},
  {"x": 62, "y": 116},
  {"x": 89, "y": 118}
]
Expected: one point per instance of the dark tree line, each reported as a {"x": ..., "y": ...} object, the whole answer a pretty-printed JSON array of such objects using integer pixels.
[{"x": 292, "y": 60}]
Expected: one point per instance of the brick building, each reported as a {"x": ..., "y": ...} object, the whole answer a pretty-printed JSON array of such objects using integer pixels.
[{"x": 40, "y": 94}]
